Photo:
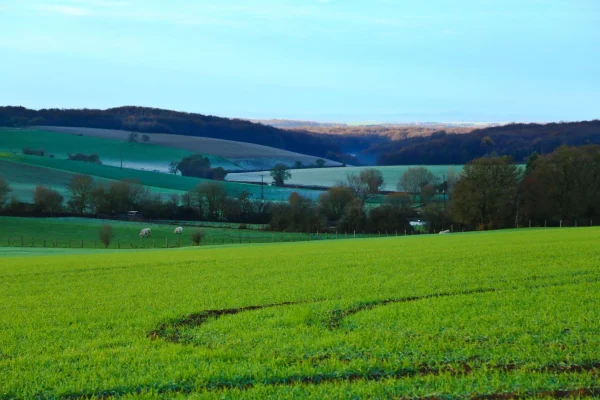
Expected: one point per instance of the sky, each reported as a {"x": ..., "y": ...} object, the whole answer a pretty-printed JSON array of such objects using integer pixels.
[{"x": 324, "y": 60}]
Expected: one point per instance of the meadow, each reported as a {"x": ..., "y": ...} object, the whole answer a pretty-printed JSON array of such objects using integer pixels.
[
  {"x": 328, "y": 177},
  {"x": 77, "y": 233},
  {"x": 56, "y": 174},
  {"x": 141, "y": 155},
  {"x": 507, "y": 314}
]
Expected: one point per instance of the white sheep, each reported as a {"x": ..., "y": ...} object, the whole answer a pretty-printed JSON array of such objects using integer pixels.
[
  {"x": 178, "y": 230},
  {"x": 146, "y": 232},
  {"x": 444, "y": 232}
]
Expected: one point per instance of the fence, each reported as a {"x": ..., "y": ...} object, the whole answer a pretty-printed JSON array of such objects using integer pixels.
[{"x": 249, "y": 237}]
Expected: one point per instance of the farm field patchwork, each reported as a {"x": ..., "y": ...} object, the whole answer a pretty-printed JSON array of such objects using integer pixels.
[
  {"x": 146, "y": 156},
  {"x": 242, "y": 155},
  {"x": 55, "y": 172},
  {"x": 495, "y": 315},
  {"x": 328, "y": 177}
]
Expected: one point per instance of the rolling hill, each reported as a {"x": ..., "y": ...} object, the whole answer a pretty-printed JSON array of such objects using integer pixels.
[{"x": 231, "y": 155}]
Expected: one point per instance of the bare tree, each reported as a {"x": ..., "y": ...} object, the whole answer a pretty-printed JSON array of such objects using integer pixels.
[
  {"x": 366, "y": 184},
  {"x": 105, "y": 235},
  {"x": 80, "y": 189},
  {"x": 47, "y": 200},
  {"x": 4, "y": 191},
  {"x": 413, "y": 180}
]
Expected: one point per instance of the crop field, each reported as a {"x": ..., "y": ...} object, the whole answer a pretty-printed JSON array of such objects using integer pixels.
[
  {"x": 511, "y": 314},
  {"x": 328, "y": 177},
  {"x": 77, "y": 233},
  {"x": 56, "y": 173},
  {"x": 146, "y": 156},
  {"x": 242, "y": 155}
]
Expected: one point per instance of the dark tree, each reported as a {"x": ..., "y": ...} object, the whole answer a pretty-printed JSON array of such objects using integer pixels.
[
  {"x": 105, "y": 235},
  {"x": 47, "y": 200},
  {"x": 4, "y": 191},
  {"x": 485, "y": 194},
  {"x": 280, "y": 173},
  {"x": 80, "y": 189}
]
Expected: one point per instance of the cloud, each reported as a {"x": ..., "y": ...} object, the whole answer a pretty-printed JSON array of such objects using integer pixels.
[{"x": 71, "y": 11}]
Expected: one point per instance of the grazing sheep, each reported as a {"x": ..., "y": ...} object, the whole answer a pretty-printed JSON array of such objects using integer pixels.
[
  {"x": 444, "y": 232},
  {"x": 145, "y": 233},
  {"x": 178, "y": 230}
]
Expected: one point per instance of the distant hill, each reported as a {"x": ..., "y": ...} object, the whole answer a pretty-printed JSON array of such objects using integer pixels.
[
  {"x": 516, "y": 140},
  {"x": 246, "y": 156},
  {"x": 153, "y": 120}
]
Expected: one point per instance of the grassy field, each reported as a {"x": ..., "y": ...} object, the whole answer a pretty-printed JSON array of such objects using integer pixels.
[
  {"x": 57, "y": 172},
  {"x": 243, "y": 155},
  {"x": 146, "y": 156},
  {"x": 512, "y": 314},
  {"x": 328, "y": 177},
  {"x": 49, "y": 233}
]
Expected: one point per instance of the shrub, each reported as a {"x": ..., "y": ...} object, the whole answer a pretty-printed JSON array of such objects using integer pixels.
[
  {"x": 197, "y": 237},
  {"x": 243, "y": 226},
  {"x": 91, "y": 158},
  {"x": 106, "y": 235},
  {"x": 145, "y": 138},
  {"x": 47, "y": 200},
  {"x": 34, "y": 152}
]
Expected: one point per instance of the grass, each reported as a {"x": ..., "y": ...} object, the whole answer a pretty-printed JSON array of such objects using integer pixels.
[
  {"x": 77, "y": 233},
  {"x": 500, "y": 314},
  {"x": 328, "y": 177},
  {"x": 56, "y": 172},
  {"x": 242, "y": 155},
  {"x": 135, "y": 155}
]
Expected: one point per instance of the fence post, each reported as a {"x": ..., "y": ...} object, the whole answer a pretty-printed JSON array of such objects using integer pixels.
[
  {"x": 153, "y": 243},
  {"x": 530, "y": 223},
  {"x": 405, "y": 232},
  {"x": 167, "y": 242},
  {"x": 118, "y": 243},
  {"x": 22, "y": 241},
  {"x": 354, "y": 234},
  {"x": 561, "y": 223},
  {"x": 44, "y": 242},
  {"x": 82, "y": 243},
  {"x": 545, "y": 224},
  {"x": 575, "y": 222},
  {"x": 31, "y": 242},
  {"x": 8, "y": 242}
]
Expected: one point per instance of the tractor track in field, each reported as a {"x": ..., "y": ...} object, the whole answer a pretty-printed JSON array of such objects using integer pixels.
[
  {"x": 171, "y": 331},
  {"x": 248, "y": 383}
]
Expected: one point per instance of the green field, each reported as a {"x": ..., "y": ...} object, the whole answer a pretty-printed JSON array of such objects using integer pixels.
[
  {"x": 511, "y": 314},
  {"x": 75, "y": 233},
  {"x": 56, "y": 173},
  {"x": 328, "y": 177},
  {"x": 135, "y": 155}
]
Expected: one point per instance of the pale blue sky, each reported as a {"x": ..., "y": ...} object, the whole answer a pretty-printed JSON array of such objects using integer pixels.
[{"x": 347, "y": 60}]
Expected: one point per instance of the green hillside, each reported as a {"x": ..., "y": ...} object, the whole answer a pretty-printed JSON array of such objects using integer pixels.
[
  {"x": 56, "y": 172},
  {"x": 146, "y": 156}
]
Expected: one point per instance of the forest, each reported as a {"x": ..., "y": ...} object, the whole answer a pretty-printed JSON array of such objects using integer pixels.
[
  {"x": 515, "y": 140},
  {"x": 153, "y": 120},
  {"x": 354, "y": 147}
]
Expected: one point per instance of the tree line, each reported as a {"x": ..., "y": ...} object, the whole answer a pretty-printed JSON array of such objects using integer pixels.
[
  {"x": 515, "y": 140},
  {"x": 153, "y": 120},
  {"x": 557, "y": 189}
]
